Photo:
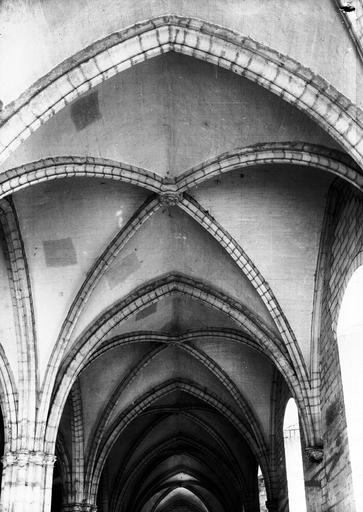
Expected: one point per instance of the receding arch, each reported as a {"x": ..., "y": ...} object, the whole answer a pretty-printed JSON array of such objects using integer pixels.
[
  {"x": 198, "y": 484},
  {"x": 220, "y": 442},
  {"x": 251, "y": 423},
  {"x": 99, "y": 455},
  {"x": 296, "y": 153},
  {"x": 228, "y": 243},
  {"x": 350, "y": 348},
  {"x": 148, "y": 294},
  {"x": 177, "y": 443},
  {"x": 268, "y": 153},
  {"x": 169, "y": 494},
  {"x": 279, "y": 74},
  {"x": 182, "y": 342},
  {"x": 292, "y": 153}
]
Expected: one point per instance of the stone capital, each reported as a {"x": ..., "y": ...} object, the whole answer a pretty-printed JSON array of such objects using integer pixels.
[
  {"x": 23, "y": 458},
  {"x": 72, "y": 507},
  {"x": 79, "y": 507},
  {"x": 314, "y": 453}
]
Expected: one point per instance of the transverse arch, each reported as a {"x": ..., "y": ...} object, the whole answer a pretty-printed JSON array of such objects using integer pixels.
[{"x": 190, "y": 36}]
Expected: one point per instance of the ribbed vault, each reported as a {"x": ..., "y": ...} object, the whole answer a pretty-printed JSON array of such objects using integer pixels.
[{"x": 168, "y": 203}]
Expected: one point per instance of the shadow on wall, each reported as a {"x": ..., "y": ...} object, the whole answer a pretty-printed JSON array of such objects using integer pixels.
[{"x": 57, "y": 490}]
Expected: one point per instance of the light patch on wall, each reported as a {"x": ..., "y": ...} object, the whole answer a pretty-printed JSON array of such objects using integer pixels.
[
  {"x": 119, "y": 217},
  {"x": 149, "y": 310},
  {"x": 122, "y": 269},
  {"x": 85, "y": 111},
  {"x": 350, "y": 335},
  {"x": 59, "y": 253}
]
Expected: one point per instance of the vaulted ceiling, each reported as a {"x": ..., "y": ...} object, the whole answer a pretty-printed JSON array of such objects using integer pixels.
[{"x": 169, "y": 222}]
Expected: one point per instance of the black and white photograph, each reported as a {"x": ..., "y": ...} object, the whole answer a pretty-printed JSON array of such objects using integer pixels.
[{"x": 181, "y": 255}]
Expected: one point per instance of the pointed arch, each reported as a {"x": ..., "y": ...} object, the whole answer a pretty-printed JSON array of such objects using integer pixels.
[
  {"x": 220, "y": 442},
  {"x": 60, "y": 167},
  {"x": 166, "y": 496},
  {"x": 141, "y": 298},
  {"x": 100, "y": 453},
  {"x": 285, "y": 153},
  {"x": 174, "y": 443},
  {"x": 197, "y": 481},
  {"x": 250, "y": 420},
  {"x": 290, "y": 153},
  {"x": 181, "y": 340},
  {"x": 278, "y": 73},
  {"x": 295, "y": 153}
]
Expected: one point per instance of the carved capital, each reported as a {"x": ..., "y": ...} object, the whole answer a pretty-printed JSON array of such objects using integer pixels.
[
  {"x": 79, "y": 507},
  {"x": 72, "y": 507},
  {"x": 314, "y": 453},
  {"x": 23, "y": 458}
]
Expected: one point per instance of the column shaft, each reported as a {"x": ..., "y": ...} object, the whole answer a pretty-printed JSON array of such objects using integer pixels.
[{"x": 27, "y": 482}]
